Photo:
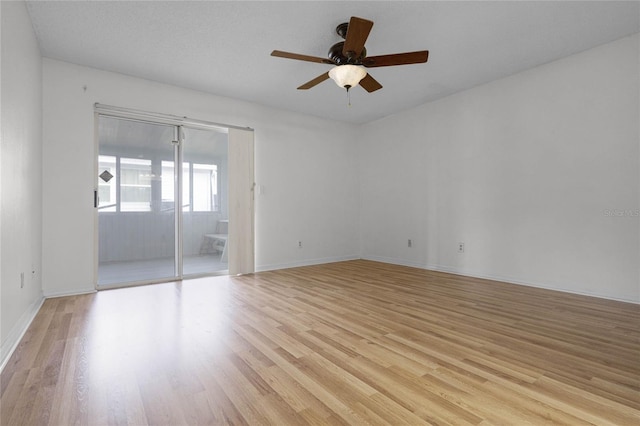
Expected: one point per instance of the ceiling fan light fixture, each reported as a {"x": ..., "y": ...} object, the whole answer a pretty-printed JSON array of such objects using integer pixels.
[{"x": 347, "y": 76}]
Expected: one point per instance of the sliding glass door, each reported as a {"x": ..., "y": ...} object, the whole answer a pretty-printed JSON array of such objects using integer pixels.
[
  {"x": 205, "y": 213},
  {"x": 161, "y": 199}
]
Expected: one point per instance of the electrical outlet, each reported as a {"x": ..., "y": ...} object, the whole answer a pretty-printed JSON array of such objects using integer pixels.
[
  {"x": 21, "y": 279},
  {"x": 460, "y": 247},
  {"x": 299, "y": 244},
  {"x": 409, "y": 243}
]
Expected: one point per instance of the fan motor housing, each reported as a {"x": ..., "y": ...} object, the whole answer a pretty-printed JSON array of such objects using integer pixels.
[
  {"x": 341, "y": 29},
  {"x": 336, "y": 55}
]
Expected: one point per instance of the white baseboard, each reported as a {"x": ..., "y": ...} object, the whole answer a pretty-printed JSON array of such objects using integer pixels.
[
  {"x": 18, "y": 331},
  {"x": 395, "y": 261},
  {"x": 76, "y": 292},
  {"x": 492, "y": 277},
  {"x": 306, "y": 262},
  {"x": 511, "y": 280}
]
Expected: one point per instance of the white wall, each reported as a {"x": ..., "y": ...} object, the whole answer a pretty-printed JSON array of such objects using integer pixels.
[
  {"x": 21, "y": 175},
  {"x": 306, "y": 167},
  {"x": 537, "y": 173}
]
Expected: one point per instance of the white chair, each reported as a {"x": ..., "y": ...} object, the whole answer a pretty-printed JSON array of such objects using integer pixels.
[{"x": 217, "y": 241}]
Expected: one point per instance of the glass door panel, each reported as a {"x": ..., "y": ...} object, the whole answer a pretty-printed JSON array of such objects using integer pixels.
[
  {"x": 205, "y": 212},
  {"x": 136, "y": 212}
]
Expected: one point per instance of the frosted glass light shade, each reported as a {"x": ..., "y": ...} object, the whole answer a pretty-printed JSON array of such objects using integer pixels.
[{"x": 347, "y": 75}]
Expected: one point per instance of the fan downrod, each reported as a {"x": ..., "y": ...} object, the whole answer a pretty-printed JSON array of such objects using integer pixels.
[{"x": 336, "y": 51}]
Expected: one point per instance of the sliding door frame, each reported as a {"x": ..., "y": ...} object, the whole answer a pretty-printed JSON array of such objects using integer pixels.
[
  {"x": 180, "y": 123},
  {"x": 177, "y": 196}
]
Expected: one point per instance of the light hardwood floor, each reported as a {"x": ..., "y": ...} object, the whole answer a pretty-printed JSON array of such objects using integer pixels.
[{"x": 347, "y": 343}]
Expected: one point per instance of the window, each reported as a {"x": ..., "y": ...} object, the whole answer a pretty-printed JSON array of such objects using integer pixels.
[
  {"x": 168, "y": 186},
  {"x": 205, "y": 188},
  {"x": 202, "y": 196},
  {"x": 136, "y": 194},
  {"x": 135, "y": 186}
]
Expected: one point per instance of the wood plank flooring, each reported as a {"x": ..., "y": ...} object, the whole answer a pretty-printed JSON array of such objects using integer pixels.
[{"x": 347, "y": 343}]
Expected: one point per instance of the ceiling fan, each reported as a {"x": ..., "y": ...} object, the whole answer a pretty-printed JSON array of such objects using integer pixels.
[{"x": 350, "y": 58}]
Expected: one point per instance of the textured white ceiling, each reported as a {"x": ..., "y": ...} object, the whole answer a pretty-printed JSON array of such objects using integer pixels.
[{"x": 224, "y": 47}]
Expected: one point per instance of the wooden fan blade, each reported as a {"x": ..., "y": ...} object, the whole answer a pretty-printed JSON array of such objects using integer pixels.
[
  {"x": 297, "y": 56},
  {"x": 357, "y": 34},
  {"x": 370, "y": 84},
  {"x": 319, "y": 79},
  {"x": 396, "y": 59}
]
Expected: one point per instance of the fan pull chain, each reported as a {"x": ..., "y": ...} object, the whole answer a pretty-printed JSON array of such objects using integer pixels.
[{"x": 348, "y": 96}]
